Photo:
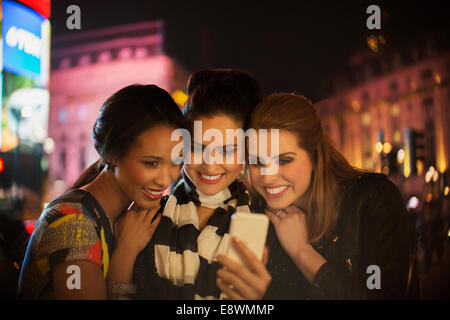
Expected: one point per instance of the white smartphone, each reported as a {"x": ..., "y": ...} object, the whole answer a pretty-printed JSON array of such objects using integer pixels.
[{"x": 251, "y": 229}]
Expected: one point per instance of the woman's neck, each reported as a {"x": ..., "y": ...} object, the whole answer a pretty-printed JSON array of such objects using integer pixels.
[
  {"x": 107, "y": 192},
  {"x": 302, "y": 201},
  {"x": 203, "y": 215}
]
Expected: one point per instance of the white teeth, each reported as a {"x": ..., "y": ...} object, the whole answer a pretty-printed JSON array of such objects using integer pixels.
[
  {"x": 276, "y": 190},
  {"x": 153, "y": 193},
  {"x": 210, "y": 177}
]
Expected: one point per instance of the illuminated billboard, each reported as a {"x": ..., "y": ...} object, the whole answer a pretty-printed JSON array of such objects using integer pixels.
[
  {"x": 25, "y": 38},
  {"x": 25, "y": 112},
  {"x": 41, "y": 6},
  {"x": 24, "y": 103},
  {"x": 25, "y": 41}
]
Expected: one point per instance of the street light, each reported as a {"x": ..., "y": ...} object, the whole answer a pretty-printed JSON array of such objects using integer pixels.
[
  {"x": 387, "y": 147},
  {"x": 379, "y": 147},
  {"x": 400, "y": 156}
]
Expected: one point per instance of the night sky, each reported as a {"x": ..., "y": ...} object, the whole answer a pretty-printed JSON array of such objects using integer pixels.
[{"x": 290, "y": 46}]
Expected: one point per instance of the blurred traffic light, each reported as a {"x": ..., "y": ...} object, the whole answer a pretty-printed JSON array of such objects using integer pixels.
[
  {"x": 392, "y": 161},
  {"x": 388, "y": 155},
  {"x": 388, "y": 158},
  {"x": 414, "y": 148},
  {"x": 5, "y": 171}
]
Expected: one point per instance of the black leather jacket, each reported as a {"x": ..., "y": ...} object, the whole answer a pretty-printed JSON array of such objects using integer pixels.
[{"x": 373, "y": 229}]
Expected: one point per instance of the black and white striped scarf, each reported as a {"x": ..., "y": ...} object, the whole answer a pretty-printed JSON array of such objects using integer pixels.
[{"x": 183, "y": 257}]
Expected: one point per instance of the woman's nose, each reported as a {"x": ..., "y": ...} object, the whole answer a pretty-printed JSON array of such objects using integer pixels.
[
  {"x": 267, "y": 176},
  {"x": 210, "y": 168},
  {"x": 269, "y": 179},
  {"x": 174, "y": 173},
  {"x": 164, "y": 178}
]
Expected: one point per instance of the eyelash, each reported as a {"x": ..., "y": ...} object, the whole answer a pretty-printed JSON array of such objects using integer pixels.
[
  {"x": 151, "y": 163},
  {"x": 229, "y": 152},
  {"x": 285, "y": 161},
  {"x": 226, "y": 152},
  {"x": 282, "y": 162}
]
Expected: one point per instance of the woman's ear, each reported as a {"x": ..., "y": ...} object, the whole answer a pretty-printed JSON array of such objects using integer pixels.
[
  {"x": 241, "y": 174},
  {"x": 110, "y": 164}
]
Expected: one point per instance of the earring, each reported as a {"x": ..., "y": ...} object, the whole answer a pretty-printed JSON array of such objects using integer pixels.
[{"x": 110, "y": 165}]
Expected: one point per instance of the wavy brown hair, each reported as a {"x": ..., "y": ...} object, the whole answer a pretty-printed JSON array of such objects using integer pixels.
[{"x": 330, "y": 169}]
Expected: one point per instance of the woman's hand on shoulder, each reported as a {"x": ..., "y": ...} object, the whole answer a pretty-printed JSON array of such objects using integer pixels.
[
  {"x": 291, "y": 229},
  {"x": 292, "y": 232},
  {"x": 135, "y": 228}
]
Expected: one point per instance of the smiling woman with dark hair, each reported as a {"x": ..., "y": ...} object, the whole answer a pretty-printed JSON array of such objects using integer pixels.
[
  {"x": 179, "y": 262},
  {"x": 132, "y": 135}
]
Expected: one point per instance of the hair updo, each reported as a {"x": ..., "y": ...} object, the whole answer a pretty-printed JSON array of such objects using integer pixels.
[
  {"x": 227, "y": 92},
  {"x": 123, "y": 117}
]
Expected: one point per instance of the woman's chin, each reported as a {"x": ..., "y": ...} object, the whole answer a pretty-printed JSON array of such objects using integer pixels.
[
  {"x": 277, "y": 204},
  {"x": 276, "y": 208},
  {"x": 210, "y": 191},
  {"x": 146, "y": 203}
]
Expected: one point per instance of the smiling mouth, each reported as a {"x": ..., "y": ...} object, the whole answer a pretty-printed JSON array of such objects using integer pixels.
[
  {"x": 153, "y": 194},
  {"x": 210, "y": 179},
  {"x": 276, "y": 191}
]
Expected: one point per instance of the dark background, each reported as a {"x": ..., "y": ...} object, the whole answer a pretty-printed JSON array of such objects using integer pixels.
[{"x": 288, "y": 45}]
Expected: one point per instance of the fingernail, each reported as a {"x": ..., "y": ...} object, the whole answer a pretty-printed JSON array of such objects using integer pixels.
[
  {"x": 236, "y": 239},
  {"x": 217, "y": 256}
]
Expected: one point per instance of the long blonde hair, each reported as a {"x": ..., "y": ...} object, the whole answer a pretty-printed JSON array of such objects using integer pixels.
[{"x": 330, "y": 169}]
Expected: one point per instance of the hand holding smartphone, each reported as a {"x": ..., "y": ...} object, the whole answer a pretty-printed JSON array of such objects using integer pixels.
[{"x": 251, "y": 229}]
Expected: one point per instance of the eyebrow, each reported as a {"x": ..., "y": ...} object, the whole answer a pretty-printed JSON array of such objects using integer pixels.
[
  {"x": 258, "y": 159},
  {"x": 153, "y": 157},
  {"x": 287, "y": 153},
  {"x": 280, "y": 155},
  {"x": 230, "y": 145},
  {"x": 223, "y": 146}
]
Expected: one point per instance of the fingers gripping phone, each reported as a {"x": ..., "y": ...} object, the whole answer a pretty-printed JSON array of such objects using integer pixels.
[{"x": 251, "y": 229}]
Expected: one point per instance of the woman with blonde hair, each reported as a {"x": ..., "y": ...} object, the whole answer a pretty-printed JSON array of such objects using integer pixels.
[{"x": 337, "y": 232}]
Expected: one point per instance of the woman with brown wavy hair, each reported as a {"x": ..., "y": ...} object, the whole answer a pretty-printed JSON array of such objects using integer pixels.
[{"x": 337, "y": 232}]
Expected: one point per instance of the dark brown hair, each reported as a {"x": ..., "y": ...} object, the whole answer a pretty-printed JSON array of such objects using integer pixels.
[
  {"x": 221, "y": 92},
  {"x": 123, "y": 117}
]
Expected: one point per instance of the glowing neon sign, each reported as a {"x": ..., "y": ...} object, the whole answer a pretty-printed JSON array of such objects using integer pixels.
[{"x": 25, "y": 37}]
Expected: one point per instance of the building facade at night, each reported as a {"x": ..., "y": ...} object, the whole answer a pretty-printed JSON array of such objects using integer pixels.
[
  {"x": 86, "y": 68},
  {"x": 377, "y": 120}
]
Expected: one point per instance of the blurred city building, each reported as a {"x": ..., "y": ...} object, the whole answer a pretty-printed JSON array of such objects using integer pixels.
[
  {"x": 389, "y": 112},
  {"x": 87, "y": 67}
]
